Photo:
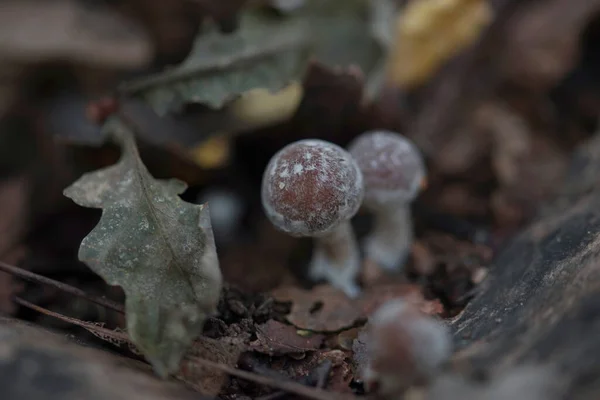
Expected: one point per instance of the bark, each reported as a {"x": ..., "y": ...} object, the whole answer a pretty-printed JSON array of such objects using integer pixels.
[{"x": 541, "y": 300}]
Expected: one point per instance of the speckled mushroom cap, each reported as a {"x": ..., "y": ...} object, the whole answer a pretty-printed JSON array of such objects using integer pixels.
[
  {"x": 311, "y": 186},
  {"x": 392, "y": 167}
]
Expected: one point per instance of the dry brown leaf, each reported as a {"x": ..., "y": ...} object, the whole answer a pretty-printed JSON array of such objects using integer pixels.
[
  {"x": 322, "y": 309},
  {"x": 275, "y": 338},
  {"x": 206, "y": 380},
  {"x": 325, "y": 309}
]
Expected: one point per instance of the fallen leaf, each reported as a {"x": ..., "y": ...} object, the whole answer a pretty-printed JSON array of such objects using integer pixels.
[
  {"x": 429, "y": 32},
  {"x": 322, "y": 309},
  {"x": 158, "y": 248},
  {"x": 215, "y": 152},
  {"x": 326, "y": 309},
  {"x": 341, "y": 34},
  {"x": 275, "y": 338},
  {"x": 225, "y": 351},
  {"x": 260, "y": 107},
  {"x": 265, "y": 52}
]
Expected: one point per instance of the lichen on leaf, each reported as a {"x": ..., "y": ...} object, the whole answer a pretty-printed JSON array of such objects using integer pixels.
[
  {"x": 265, "y": 52},
  {"x": 154, "y": 245}
]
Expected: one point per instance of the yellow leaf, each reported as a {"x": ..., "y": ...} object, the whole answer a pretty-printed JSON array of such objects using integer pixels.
[
  {"x": 429, "y": 32},
  {"x": 260, "y": 107},
  {"x": 213, "y": 152}
]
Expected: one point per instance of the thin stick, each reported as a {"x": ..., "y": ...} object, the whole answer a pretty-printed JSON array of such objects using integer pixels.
[
  {"x": 287, "y": 386},
  {"x": 290, "y": 387},
  {"x": 30, "y": 276},
  {"x": 122, "y": 336}
]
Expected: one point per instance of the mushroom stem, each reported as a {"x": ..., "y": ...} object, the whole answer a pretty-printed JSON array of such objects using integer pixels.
[
  {"x": 389, "y": 243},
  {"x": 336, "y": 258}
]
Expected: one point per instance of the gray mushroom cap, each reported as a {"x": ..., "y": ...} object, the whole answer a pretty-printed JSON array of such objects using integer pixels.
[
  {"x": 392, "y": 166},
  {"x": 309, "y": 187}
]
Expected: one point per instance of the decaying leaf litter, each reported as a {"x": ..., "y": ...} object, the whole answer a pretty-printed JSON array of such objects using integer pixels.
[{"x": 492, "y": 123}]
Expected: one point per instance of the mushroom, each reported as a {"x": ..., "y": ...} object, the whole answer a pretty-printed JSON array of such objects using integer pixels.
[
  {"x": 394, "y": 173},
  {"x": 404, "y": 346},
  {"x": 312, "y": 188}
]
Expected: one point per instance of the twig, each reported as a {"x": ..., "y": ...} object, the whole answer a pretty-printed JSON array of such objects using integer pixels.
[
  {"x": 30, "y": 276},
  {"x": 93, "y": 328},
  {"x": 291, "y": 387}
]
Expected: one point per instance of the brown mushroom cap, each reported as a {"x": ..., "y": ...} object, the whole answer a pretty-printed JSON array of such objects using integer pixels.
[
  {"x": 311, "y": 186},
  {"x": 392, "y": 167}
]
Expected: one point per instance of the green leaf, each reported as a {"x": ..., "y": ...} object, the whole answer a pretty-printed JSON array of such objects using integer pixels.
[
  {"x": 265, "y": 52},
  {"x": 154, "y": 245},
  {"x": 342, "y": 33}
]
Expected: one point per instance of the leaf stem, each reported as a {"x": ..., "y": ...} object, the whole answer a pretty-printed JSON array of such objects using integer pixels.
[{"x": 33, "y": 277}]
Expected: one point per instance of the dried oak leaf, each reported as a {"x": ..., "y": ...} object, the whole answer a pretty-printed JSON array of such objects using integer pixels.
[
  {"x": 265, "y": 52},
  {"x": 158, "y": 248},
  {"x": 322, "y": 309},
  {"x": 326, "y": 309},
  {"x": 275, "y": 338}
]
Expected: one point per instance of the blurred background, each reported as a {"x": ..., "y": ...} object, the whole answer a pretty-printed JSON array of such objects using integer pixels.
[{"x": 495, "y": 93}]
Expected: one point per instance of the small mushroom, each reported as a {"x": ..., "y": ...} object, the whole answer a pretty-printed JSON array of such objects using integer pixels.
[
  {"x": 313, "y": 188},
  {"x": 405, "y": 347},
  {"x": 394, "y": 173}
]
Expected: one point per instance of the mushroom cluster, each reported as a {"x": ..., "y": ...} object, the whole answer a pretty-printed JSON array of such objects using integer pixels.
[{"x": 313, "y": 188}]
